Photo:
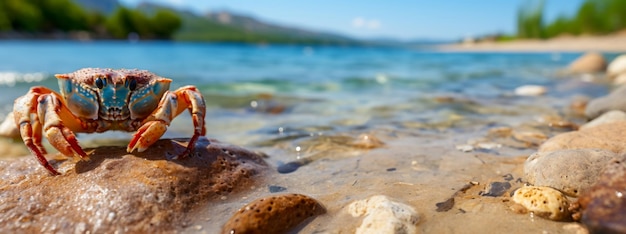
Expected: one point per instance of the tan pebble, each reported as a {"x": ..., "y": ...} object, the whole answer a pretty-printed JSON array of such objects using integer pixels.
[
  {"x": 384, "y": 216},
  {"x": 274, "y": 214},
  {"x": 544, "y": 202},
  {"x": 531, "y": 138}
]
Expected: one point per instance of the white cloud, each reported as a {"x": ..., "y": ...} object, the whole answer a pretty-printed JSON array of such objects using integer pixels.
[{"x": 363, "y": 23}]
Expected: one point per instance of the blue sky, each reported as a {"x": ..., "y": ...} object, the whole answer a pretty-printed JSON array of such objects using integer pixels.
[{"x": 400, "y": 19}]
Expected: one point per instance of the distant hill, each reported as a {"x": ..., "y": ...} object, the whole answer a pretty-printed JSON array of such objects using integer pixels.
[
  {"x": 226, "y": 26},
  {"x": 231, "y": 27}
]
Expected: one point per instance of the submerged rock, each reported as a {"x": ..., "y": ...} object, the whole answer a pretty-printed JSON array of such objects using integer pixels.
[
  {"x": 544, "y": 202},
  {"x": 588, "y": 62},
  {"x": 119, "y": 192},
  {"x": 604, "y": 204},
  {"x": 384, "y": 216},
  {"x": 616, "y": 100},
  {"x": 570, "y": 171},
  {"x": 530, "y": 90},
  {"x": 605, "y": 136},
  {"x": 275, "y": 214}
]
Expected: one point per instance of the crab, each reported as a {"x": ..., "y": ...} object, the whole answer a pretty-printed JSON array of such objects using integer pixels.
[{"x": 97, "y": 100}]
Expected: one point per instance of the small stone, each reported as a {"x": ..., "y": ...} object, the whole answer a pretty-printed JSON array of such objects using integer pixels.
[
  {"x": 530, "y": 138},
  {"x": 496, "y": 189},
  {"x": 616, "y": 100},
  {"x": 570, "y": 171},
  {"x": 530, "y": 90},
  {"x": 465, "y": 148},
  {"x": 604, "y": 204},
  {"x": 544, "y": 202},
  {"x": 617, "y": 66},
  {"x": 608, "y": 117},
  {"x": 384, "y": 216},
  {"x": 274, "y": 214},
  {"x": 588, "y": 63},
  {"x": 275, "y": 188}
]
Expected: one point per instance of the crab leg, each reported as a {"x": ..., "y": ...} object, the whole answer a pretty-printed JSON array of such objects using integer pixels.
[
  {"x": 172, "y": 104},
  {"x": 40, "y": 111}
]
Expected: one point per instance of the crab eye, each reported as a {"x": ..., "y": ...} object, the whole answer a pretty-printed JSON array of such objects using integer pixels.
[
  {"x": 132, "y": 85},
  {"x": 100, "y": 82}
]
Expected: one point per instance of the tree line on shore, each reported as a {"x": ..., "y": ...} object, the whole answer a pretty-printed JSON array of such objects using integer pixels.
[
  {"x": 52, "y": 16},
  {"x": 593, "y": 17}
]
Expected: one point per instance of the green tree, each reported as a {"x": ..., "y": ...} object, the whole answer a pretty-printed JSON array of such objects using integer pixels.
[
  {"x": 165, "y": 23},
  {"x": 5, "y": 22},
  {"x": 63, "y": 15},
  {"x": 24, "y": 15},
  {"x": 530, "y": 20}
]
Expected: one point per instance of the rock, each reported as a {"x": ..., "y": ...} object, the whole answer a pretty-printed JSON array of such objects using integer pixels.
[
  {"x": 530, "y": 90},
  {"x": 384, "y": 216},
  {"x": 570, "y": 171},
  {"x": 604, "y": 204},
  {"x": 619, "y": 79},
  {"x": 530, "y": 138},
  {"x": 274, "y": 214},
  {"x": 544, "y": 202},
  {"x": 617, "y": 66},
  {"x": 605, "y": 136},
  {"x": 616, "y": 100},
  {"x": 588, "y": 63},
  {"x": 608, "y": 117},
  {"x": 496, "y": 189},
  {"x": 119, "y": 192}
]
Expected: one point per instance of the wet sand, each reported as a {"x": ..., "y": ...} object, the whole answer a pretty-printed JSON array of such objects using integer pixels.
[{"x": 610, "y": 43}]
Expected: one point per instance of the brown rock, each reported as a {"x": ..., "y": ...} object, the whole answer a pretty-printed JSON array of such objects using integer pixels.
[
  {"x": 119, "y": 192},
  {"x": 604, "y": 204},
  {"x": 606, "y": 136},
  {"x": 274, "y": 214},
  {"x": 588, "y": 62}
]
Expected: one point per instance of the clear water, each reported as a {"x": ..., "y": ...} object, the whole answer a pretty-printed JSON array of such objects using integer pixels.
[{"x": 260, "y": 93}]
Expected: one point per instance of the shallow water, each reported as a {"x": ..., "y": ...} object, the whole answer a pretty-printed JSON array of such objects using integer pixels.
[{"x": 313, "y": 106}]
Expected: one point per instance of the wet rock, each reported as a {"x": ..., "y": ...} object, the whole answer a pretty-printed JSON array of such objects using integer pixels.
[
  {"x": 119, "y": 192},
  {"x": 617, "y": 66},
  {"x": 544, "y": 202},
  {"x": 604, "y": 204},
  {"x": 620, "y": 79},
  {"x": 384, "y": 216},
  {"x": 605, "y": 136},
  {"x": 496, "y": 189},
  {"x": 608, "y": 117},
  {"x": 616, "y": 100},
  {"x": 274, "y": 214},
  {"x": 530, "y": 90},
  {"x": 530, "y": 138},
  {"x": 570, "y": 171},
  {"x": 588, "y": 62}
]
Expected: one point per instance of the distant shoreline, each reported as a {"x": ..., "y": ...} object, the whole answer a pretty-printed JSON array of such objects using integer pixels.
[{"x": 611, "y": 44}]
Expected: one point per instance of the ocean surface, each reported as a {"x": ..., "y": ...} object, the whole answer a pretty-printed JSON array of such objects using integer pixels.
[
  {"x": 345, "y": 123},
  {"x": 260, "y": 95}
]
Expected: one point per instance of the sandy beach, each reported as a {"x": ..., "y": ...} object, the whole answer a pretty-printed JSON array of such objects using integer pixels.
[{"x": 610, "y": 43}]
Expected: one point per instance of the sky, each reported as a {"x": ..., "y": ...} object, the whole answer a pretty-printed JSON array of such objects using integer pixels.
[{"x": 372, "y": 19}]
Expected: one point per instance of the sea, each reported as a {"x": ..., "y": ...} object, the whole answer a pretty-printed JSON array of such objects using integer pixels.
[
  {"x": 258, "y": 94},
  {"x": 401, "y": 121}
]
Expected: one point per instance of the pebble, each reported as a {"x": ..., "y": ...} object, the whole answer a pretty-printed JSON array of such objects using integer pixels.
[
  {"x": 570, "y": 171},
  {"x": 617, "y": 66},
  {"x": 616, "y": 100},
  {"x": 275, "y": 214},
  {"x": 384, "y": 216},
  {"x": 544, "y": 202},
  {"x": 531, "y": 90},
  {"x": 588, "y": 63},
  {"x": 496, "y": 189},
  {"x": 604, "y": 204}
]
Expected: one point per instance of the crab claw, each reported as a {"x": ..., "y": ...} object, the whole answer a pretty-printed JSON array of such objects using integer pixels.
[{"x": 149, "y": 133}]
